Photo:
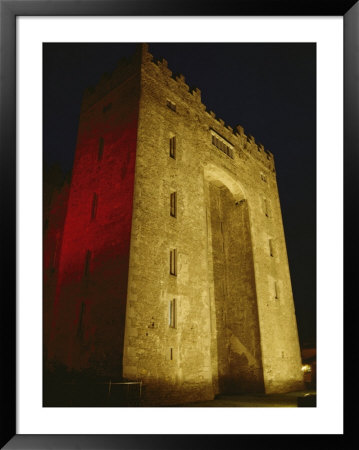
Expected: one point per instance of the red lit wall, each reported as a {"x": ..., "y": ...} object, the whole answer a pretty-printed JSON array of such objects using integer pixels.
[{"x": 90, "y": 303}]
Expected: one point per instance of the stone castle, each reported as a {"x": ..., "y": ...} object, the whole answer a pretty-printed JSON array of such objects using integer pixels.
[{"x": 170, "y": 265}]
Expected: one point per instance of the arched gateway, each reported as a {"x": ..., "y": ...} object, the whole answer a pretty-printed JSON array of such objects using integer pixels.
[{"x": 236, "y": 352}]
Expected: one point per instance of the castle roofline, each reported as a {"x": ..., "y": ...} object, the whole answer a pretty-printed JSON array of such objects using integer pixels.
[
  {"x": 127, "y": 67},
  {"x": 196, "y": 93}
]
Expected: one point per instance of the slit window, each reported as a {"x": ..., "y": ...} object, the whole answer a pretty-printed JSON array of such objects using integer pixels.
[
  {"x": 173, "y": 147},
  {"x": 271, "y": 248},
  {"x": 266, "y": 207},
  {"x": 172, "y": 318},
  {"x": 100, "y": 149},
  {"x": 173, "y": 262},
  {"x": 276, "y": 293},
  {"x": 81, "y": 317},
  {"x": 173, "y": 204},
  {"x": 87, "y": 263},
  {"x": 94, "y": 206},
  {"x": 171, "y": 105}
]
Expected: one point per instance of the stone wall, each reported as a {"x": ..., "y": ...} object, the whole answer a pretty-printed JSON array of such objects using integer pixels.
[
  {"x": 234, "y": 328},
  {"x": 90, "y": 303},
  {"x": 238, "y": 341},
  {"x": 229, "y": 328}
]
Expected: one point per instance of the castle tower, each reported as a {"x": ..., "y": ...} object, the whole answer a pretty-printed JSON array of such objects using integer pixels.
[{"x": 173, "y": 268}]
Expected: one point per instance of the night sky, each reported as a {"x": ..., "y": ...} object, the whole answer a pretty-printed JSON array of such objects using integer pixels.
[{"x": 269, "y": 89}]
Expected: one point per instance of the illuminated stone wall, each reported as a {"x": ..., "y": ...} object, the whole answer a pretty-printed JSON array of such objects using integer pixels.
[{"x": 231, "y": 334}]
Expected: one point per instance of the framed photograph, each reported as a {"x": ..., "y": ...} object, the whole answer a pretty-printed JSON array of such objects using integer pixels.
[{"x": 172, "y": 268}]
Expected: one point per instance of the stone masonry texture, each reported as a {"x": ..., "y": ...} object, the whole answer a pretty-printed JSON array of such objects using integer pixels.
[{"x": 224, "y": 321}]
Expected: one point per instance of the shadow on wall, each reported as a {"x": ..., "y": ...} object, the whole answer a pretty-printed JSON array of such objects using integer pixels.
[{"x": 235, "y": 303}]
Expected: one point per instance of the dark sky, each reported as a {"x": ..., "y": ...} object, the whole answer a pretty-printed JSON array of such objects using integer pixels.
[{"x": 269, "y": 89}]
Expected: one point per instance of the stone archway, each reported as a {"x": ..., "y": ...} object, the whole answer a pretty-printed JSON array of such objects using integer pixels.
[{"x": 236, "y": 351}]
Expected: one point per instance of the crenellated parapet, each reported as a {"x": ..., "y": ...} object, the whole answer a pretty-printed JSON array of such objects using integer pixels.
[
  {"x": 143, "y": 60},
  {"x": 177, "y": 83},
  {"x": 243, "y": 141}
]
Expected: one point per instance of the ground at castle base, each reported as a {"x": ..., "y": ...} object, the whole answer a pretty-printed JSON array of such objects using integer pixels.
[{"x": 295, "y": 399}]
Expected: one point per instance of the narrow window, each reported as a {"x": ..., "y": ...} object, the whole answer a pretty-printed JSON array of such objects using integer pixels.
[
  {"x": 265, "y": 207},
  {"x": 173, "y": 262},
  {"x": 94, "y": 206},
  {"x": 271, "y": 247},
  {"x": 276, "y": 295},
  {"x": 173, "y": 147},
  {"x": 222, "y": 236},
  {"x": 87, "y": 263},
  {"x": 80, "y": 324},
  {"x": 172, "y": 313},
  {"x": 100, "y": 149},
  {"x": 173, "y": 201},
  {"x": 171, "y": 354},
  {"x": 171, "y": 105}
]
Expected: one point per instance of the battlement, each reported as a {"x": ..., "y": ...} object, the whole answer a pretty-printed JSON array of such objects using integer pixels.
[
  {"x": 178, "y": 82},
  {"x": 142, "y": 59}
]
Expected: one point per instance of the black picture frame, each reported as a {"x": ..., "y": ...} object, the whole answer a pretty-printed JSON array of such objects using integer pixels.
[{"x": 9, "y": 10}]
